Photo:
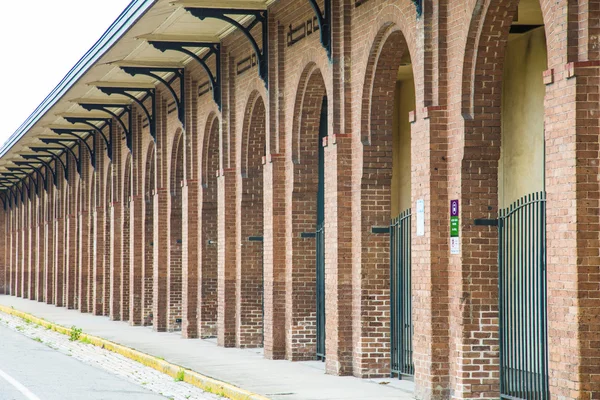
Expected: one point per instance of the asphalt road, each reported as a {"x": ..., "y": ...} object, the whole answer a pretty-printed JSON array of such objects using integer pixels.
[{"x": 32, "y": 371}]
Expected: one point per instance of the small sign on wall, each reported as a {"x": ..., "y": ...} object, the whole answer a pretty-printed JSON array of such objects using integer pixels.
[
  {"x": 420, "y": 217},
  {"x": 454, "y": 228}
]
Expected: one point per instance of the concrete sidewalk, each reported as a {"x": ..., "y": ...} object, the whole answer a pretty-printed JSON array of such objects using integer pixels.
[{"x": 247, "y": 369}]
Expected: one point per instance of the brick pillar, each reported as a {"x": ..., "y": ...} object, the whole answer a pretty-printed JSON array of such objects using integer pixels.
[
  {"x": 338, "y": 255},
  {"x": 227, "y": 259},
  {"x": 3, "y": 249},
  {"x": 116, "y": 218},
  {"x": 125, "y": 260},
  {"x": 85, "y": 260},
  {"x": 161, "y": 249},
  {"x": 49, "y": 293},
  {"x": 573, "y": 240},
  {"x": 136, "y": 255},
  {"x": 99, "y": 244},
  {"x": 60, "y": 235},
  {"x": 430, "y": 256},
  {"x": 40, "y": 253},
  {"x": 14, "y": 251},
  {"x": 28, "y": 252},
  {"x": 190, "y": 235},
  {"x": 174, "y": 257},
  {"x": 71, "y": 260},
  {"x": 24, "y": 252},
  {"x": 275, "y": 258}
]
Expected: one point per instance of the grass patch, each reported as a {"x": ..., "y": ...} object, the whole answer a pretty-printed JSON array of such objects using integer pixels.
[
  {"x": 85, "y": 340},
  {"x": 37, "y": 339}
]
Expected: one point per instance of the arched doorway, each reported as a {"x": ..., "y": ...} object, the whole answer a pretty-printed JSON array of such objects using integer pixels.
[
  {"x": 249, "y": 272},
  {"x": 305, "y": 281},
  {"x": 148, "y": 271},
  {"x": 389, "y": 98},
  {"x": 175, "y": 271},
  {"x": 522, "y": 204}
]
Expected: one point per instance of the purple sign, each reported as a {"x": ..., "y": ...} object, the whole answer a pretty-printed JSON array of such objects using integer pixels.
[{"x": 454, "y": 208}]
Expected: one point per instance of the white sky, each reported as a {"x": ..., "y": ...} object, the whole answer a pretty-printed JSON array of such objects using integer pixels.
[{"x": 40, "y": 41}]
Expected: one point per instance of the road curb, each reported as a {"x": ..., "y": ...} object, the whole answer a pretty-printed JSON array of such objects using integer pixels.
[{"x": 203, "y": 382}]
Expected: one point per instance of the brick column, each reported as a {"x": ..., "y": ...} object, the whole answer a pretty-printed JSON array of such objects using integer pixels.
[
  {"x": 161, "y": 249},
  {"x": 208, "y": 271},
  {"x": 59, "y": 257},
  {"x": 430, "y": 256},
  {"x": 136, "y": 255},
  {"x": 125, "y": 260},
  {"x": 85, "y": 261},
  {"x": 71, "y": 260},
  {"x": 49, "y": 293},
  {"x": 227, "y": 259},
  {"x": 98, "y": 279},
  {"x": 116, "y": 218},
  {"x": 22, "y": 290},
  {"x": 338, "y": 254},
  {"x": 190, "y": 235},
  {"x": 3, "y": 249},
  {"x": 275, "y": 257},
  {"x": 40, "y": 240},
  {"x": 573, "y": 228}
]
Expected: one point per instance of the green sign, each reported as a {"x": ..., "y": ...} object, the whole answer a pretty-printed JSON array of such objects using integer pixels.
[{"x": 453, "y": 226}]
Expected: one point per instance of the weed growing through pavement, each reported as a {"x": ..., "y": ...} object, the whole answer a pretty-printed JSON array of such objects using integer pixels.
[
  {"x": 75, "y": 333},
  {"x": 37, "y": 339},
  {"x": 180, "y": 376},
  {"x": 85, "y": 340}
]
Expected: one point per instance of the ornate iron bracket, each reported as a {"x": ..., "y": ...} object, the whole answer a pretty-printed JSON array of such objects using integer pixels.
[
  {"x": 260, "y": 17},
  {"x": 153, "y": 73},
  {"x": 14, "y": 183},
  {"x": 213, "y": 49},
  {"x": 38, "y": 160},
  {"x": 126, "y": 91},
  {"x": 61, "y": 143},
  {"x": 95, "y": 129},
  {"x": 324, "y": 18},
  {"x": 80, "y": 140},
  {"x": 54, "y": 156},
  {"x": 36, "y": 170},
  {"x": 23, "y": 179},
  {"x": 126, "y": 110},
  {"x": 10, "y": 188}
]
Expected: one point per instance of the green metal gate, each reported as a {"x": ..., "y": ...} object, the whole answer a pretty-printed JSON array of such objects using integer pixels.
[
  {"x": 401, "y": 296},
  {"x": 522, "y": 299}
]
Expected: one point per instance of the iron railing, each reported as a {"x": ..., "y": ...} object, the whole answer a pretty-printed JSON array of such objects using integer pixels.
[
  {"x": 522, "y": 299},
  {"x": 401, "y": 295},
  {"x": 320, "y": 291}
]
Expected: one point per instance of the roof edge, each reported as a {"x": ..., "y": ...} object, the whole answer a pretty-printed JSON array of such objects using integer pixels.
[{"x": 134, "y": 11}]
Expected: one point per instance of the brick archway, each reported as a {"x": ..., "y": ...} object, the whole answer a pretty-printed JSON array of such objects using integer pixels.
[
  {"x": 148, "y": 274},
  {"x": 301, "y": 269},
  {"x": 207, "y": 288},
  {"x": 175, "y": 266},
  {"x": 249, "y": 273},
  {"x": 377, "y": 136}
]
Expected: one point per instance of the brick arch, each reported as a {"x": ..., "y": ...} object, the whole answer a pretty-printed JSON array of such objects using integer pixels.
[
  {"x": 378, "y": 103},
  {"x": 207, "y": 292},
  {"x": 127, "y": 185},
  {"x": 485, "y": 43},
  {"x": 175, "y": 240},
  {"x": 301, "y": 274},
  {"x": 249, "y": 271},
  {"x": 148, "y": 270}
]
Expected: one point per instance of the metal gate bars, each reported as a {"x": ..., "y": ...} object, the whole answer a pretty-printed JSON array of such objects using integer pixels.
[
  {"x": 522, "y": 299},
  {"x": 401, "y": 295}
]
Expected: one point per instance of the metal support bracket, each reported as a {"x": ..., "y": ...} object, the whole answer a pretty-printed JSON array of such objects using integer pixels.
[
  {"x": 213, "y": 49},
  {"x": 260, "y": 17},
  {"x": 35, "y": 169},
  {"x": 38, "y": 160},
  {"x": 153, "y": 73},
  {"x": 324, "y": 18},
  {"x": 54, "y": 156},
  {"x": 419, "y": 6},
  {"x": 67, "y": 148},
  {"x": 23, "y": 179},
  {"x": 13, "y": 182},
  {"x": 95, "y": 129},
  {"x": 127, "y": 92},
  {"x": 380, "y": 229},
  {"x": 126, "y": 111},
  {"x": 80, "y": 140}
]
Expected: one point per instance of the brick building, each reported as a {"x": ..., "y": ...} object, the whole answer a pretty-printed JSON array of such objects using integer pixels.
[{"x": 280, "y": 174}]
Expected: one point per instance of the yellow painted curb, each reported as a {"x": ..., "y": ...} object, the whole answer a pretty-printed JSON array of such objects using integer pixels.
[{"x": 194, "y": 378}]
